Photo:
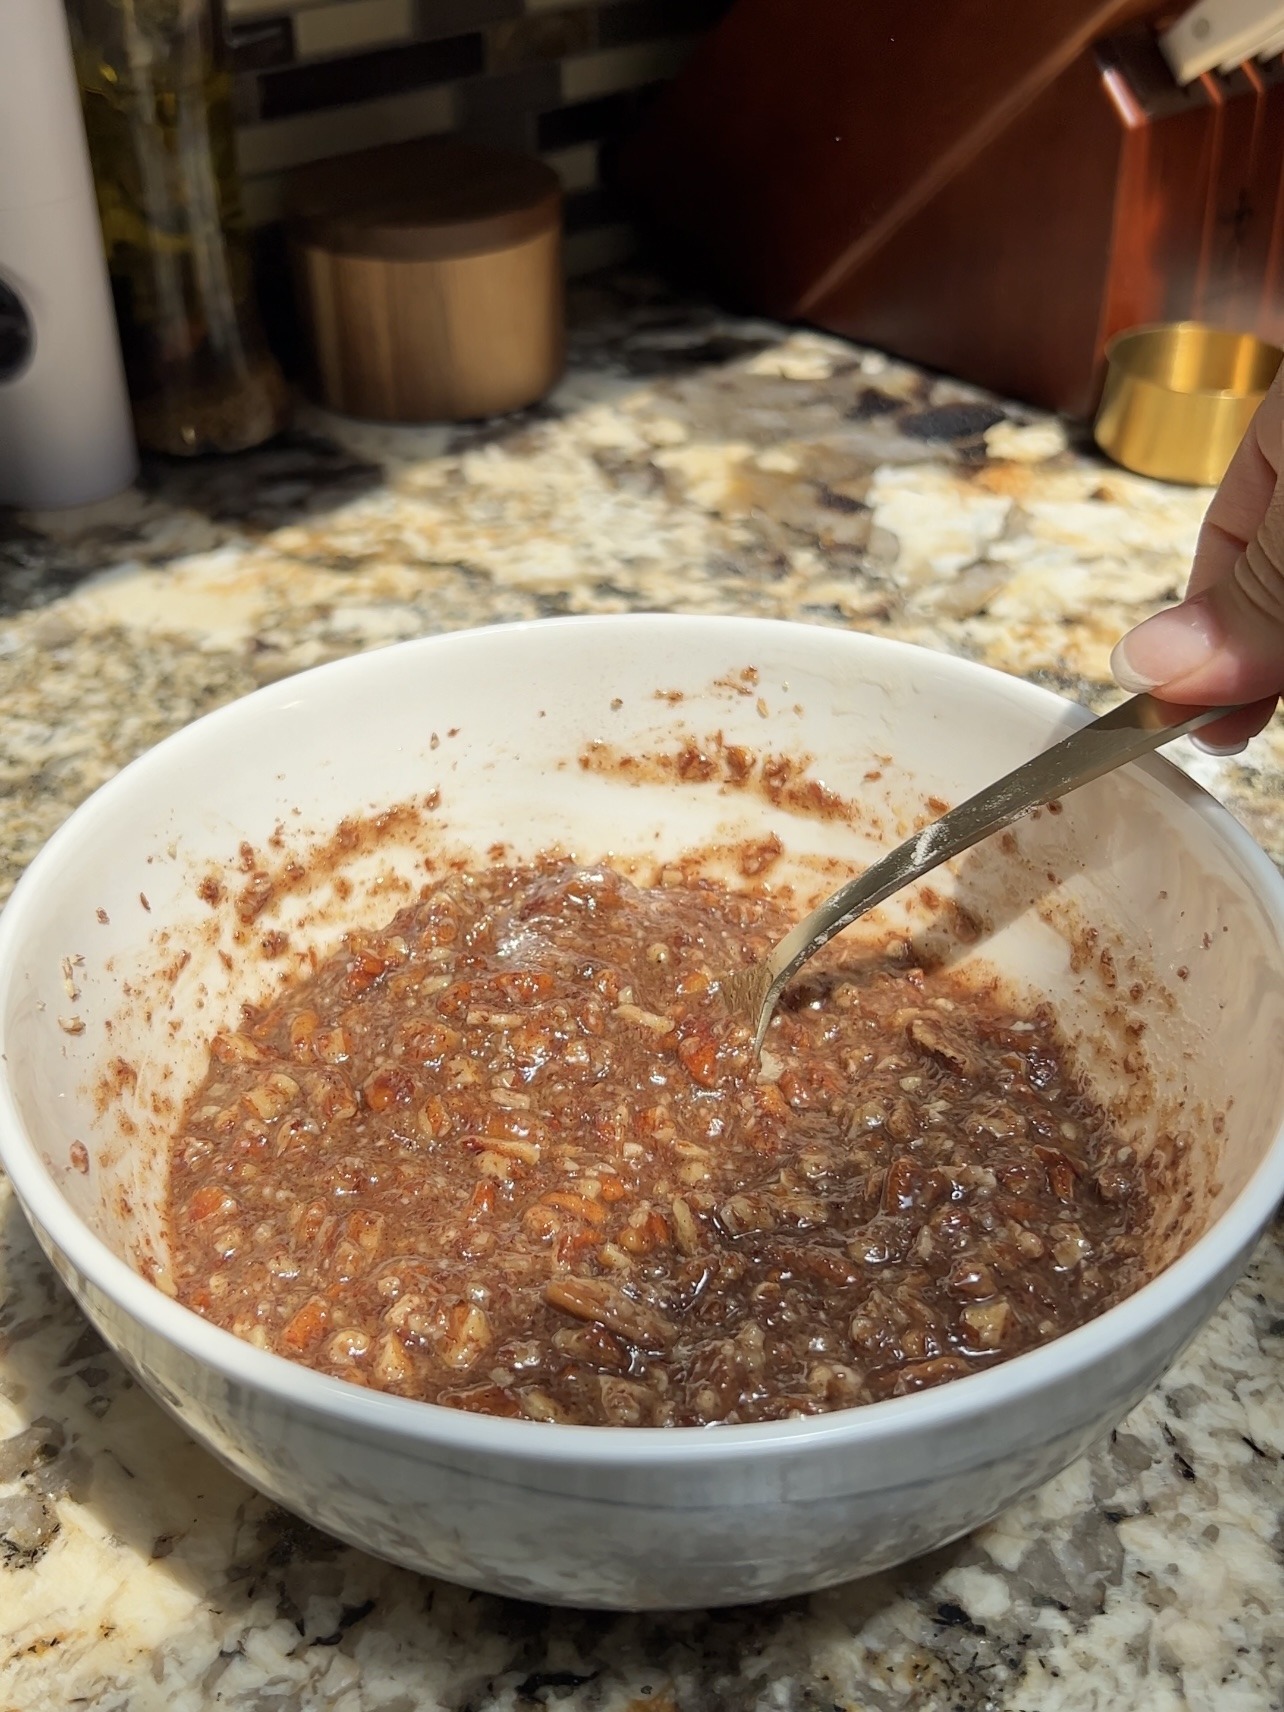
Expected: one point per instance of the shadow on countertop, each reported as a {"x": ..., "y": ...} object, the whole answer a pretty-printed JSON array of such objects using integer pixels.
[{"x": 177, "y": 508}]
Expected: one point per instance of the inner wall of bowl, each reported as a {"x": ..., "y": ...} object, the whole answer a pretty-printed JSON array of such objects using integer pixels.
[{"x": 1128, "y": 909}]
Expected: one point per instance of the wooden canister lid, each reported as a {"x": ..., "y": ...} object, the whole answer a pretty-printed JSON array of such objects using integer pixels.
[{"x": 423, "y": 201}]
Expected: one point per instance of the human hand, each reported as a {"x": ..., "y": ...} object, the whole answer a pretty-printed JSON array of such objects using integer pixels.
[{"x": 1225, "y": 642}]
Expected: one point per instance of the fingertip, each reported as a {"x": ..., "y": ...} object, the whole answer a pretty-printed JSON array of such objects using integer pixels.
[
  {"x": 1222, "y": 751},
  {"x": 1230, "y": 736},
  {"x": 1125, "y": 672},
  {"x": 1173, "y": 644}
]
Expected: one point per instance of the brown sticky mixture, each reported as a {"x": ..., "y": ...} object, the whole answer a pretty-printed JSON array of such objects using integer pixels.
[{"x": 511, "y": 1155}]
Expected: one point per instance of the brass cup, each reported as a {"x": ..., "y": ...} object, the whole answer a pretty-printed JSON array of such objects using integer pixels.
[{"x": 1179, "y": 396}]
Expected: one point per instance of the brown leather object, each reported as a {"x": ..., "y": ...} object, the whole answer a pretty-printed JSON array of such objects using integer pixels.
[
  {"x": 989, "y": 189},
  {"x": 429, "y": 276}
]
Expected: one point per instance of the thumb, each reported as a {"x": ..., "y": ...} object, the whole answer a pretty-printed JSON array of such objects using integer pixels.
[{"x": 1224, "y": 644}]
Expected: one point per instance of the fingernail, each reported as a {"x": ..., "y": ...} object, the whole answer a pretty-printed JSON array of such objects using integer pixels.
[
  {"x": 1220, "y": 750},
  {"x": 1165, "y": 647}
]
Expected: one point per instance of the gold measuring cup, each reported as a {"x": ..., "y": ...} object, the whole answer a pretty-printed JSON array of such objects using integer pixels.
[{"x": 1178, "y": 397}]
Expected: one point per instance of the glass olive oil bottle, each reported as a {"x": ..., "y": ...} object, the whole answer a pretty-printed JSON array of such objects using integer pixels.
[{"x": 156, "y": 87}]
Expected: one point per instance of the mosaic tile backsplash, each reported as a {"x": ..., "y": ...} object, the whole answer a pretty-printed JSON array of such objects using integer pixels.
[{"x": 315, "y": 78}]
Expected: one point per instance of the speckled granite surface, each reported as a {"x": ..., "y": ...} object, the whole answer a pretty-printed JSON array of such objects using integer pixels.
[{"x": 694, "y": 463}]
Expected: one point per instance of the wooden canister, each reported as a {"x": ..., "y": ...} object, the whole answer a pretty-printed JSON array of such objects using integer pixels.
[{"x": 429, "y": 276}]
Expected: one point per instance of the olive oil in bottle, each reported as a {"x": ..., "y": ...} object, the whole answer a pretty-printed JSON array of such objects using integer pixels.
[{"x": 156, "y": 89}]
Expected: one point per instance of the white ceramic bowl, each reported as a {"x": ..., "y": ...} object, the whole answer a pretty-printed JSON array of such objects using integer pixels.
[{"x": 1189, "y": 919}]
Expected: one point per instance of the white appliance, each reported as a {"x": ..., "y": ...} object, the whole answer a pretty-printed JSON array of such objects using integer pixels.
[
  {"x": 66, "y": 436},
  {"x": 1222, "y": 33}
]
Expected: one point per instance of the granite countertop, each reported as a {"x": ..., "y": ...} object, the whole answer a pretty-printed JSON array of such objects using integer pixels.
[{"x": 692, "y": 462}]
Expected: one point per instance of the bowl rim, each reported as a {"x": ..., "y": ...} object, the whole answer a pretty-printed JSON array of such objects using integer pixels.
[{"x": 429, "y": 1426}]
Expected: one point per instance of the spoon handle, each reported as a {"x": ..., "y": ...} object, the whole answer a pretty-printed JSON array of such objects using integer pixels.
[{"x": 1122, "y": 735}]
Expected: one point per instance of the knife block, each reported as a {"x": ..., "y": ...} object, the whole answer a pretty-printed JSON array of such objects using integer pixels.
[{"x": 987, "y": 190}]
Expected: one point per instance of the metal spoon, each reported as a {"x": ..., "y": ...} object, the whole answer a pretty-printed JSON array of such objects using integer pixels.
[{"x": 1120, "y": 736}]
